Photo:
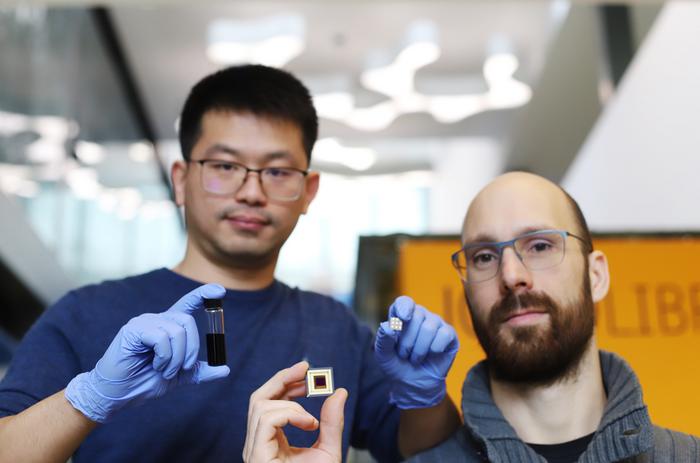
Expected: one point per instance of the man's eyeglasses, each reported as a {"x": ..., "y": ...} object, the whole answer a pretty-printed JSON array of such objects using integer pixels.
[
  {"x": 538, "y": 250},
  {"x": 226, "y": 177}
]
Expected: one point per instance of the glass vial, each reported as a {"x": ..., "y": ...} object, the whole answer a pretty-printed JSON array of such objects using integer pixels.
[{"x": 216, "y": 343}]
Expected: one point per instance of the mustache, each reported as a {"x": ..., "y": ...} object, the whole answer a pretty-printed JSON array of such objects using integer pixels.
[
  {"x": 233, "y": 210},
  {"x": 511, "y": 302}
]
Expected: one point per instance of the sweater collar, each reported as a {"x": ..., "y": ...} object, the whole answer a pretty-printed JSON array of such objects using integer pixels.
[{"x": 625, "y": 416}]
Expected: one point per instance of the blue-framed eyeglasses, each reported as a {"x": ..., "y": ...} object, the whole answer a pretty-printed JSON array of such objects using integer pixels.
[{"x": 538, "y": 250}]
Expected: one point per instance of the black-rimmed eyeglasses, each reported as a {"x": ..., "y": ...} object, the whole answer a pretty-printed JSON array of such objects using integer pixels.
[{"x": 226, "y": 177}]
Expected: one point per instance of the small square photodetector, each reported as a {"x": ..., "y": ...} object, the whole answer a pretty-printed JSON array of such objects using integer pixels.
[
  {"x": 319, "y": 382},
  {"x": 395, "y": 323}
]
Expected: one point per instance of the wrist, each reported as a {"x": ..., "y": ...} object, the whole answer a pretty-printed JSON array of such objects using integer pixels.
[
  {"x": 413, "y": 397},
  {"x": 82, "y": 394}
]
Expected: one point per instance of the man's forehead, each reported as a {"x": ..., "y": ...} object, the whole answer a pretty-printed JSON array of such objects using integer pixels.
[
  {"x": 244, "y": 133},
  {"x": 514, "y": 204}
]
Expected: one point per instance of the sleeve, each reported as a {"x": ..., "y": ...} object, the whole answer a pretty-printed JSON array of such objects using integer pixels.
[
  {"x": 43, "y": 363},
  {"x": 680, "y": 446},
  {"x": 376, "y": 425}
]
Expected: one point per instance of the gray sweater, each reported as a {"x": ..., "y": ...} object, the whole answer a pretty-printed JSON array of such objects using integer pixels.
[{"x": 625, "y": 434}]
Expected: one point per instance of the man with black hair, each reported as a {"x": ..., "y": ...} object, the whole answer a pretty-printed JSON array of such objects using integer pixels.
[{"x": 246, "y": 135}]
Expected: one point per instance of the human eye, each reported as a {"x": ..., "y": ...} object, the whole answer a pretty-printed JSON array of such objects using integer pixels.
[
  {"x": 223, "y": 166},
  {"x": 541, "y": 246},
  {"x": 538, "y": 244},
  {"x": 278, "y": 173},
  {"x": 483, "y": 257}
]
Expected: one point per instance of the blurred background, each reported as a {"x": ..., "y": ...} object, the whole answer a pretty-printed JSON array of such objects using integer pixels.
[{"x": 421, "y": 104}]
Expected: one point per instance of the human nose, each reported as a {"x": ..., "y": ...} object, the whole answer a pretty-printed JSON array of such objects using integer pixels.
[
  {"x": 251, "y": 190},
  {"x": 513, "y": 273}
]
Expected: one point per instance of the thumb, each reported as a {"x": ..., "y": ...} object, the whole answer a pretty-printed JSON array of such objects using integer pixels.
[
  {"x": 330, "y": 438},
  {"x": 385, "y": 343},
  {"x": 202, "y": 373},
  {"x": 194, "y": 300}
]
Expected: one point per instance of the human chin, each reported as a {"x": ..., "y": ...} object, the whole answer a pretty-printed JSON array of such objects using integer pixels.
[
  {"x": 246, "y": 252},
  {"x": 538, "y": 353}
]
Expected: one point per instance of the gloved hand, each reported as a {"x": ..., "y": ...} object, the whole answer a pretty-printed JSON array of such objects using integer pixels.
[
  {"x": 150, "y": 355},
  {"x": 418, "y": 357}
]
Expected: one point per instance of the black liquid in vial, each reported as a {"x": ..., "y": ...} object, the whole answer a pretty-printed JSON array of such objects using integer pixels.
[{"x": 216, "y": 349}]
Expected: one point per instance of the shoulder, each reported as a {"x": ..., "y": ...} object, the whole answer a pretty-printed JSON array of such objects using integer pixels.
[
  {"x": 328, "y": 314},
  {"x": 675, "y": 446},
  {"x": 319, "y": 304},
  {"x": 126, "y": 295},
  {"x": 142, "y": 283}
]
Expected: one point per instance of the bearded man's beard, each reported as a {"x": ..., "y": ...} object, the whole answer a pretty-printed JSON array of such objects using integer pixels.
[{"x": 541, "y": 354}]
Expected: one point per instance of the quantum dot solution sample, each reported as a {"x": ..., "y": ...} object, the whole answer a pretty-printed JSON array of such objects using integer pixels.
[{"x": 216, "y": 340}]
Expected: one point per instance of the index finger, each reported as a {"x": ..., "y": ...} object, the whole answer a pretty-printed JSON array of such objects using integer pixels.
[
  {"x": 194, "y": 300},
  {"x": 278, "y": 385},
  {"x": 402, "y": 308}
]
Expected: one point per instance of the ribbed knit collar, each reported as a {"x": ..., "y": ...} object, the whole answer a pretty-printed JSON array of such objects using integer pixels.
[{"x": 624, "y": 431}]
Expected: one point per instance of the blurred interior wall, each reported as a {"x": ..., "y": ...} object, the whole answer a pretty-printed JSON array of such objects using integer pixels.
[{"x": 638, "y": 168}]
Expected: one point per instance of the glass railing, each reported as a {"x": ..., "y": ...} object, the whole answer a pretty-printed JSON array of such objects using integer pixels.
[{"x": 71, "y": 153}]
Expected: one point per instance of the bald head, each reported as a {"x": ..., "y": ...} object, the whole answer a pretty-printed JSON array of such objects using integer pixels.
[{"x": 518, "y": 202}]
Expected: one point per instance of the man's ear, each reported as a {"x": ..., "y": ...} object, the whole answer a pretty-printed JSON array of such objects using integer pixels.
[
  {"x": 310, "y": 189},
  {"x": 599, "y": 275},
  {"x": 178, "y": 176}
]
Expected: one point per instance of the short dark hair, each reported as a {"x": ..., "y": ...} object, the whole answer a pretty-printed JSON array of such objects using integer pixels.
[
  {"x": 256, "y": 89},
  {"x": 580, "y": 220}
]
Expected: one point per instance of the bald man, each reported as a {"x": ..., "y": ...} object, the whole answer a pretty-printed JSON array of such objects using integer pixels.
[{"x": 545, "y": 391}]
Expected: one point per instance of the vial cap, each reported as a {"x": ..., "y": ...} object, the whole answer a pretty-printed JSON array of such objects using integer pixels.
[{"x": 212, "y": 303}]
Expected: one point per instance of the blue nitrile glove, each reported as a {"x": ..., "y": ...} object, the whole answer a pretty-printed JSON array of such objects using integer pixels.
[
  {"x": 418, "y": 357},
  {"x": 150, "y": 355}
]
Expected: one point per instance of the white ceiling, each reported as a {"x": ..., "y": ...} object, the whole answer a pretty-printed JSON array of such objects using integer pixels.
[
  {"x": 166, "y": 49},
  {"x": 165, "y": 46}
]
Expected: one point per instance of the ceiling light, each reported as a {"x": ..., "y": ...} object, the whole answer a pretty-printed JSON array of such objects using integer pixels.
[
  {"x": 330, "y": 150},
  {"x": 11, "y": 123},
  {"x": 14, "y": 180},
  {"x": 454, "y": 108},
  {"x": 500, "y": 67},
  {"x": 273, "y": 41},
  {"x": 335, "y": 105},
  {"x": 89, "y": 152},
  {"x": 19, "y": 187},
  {"x": 55, "y": 132},
  {"x": 83, "y": 183},
  {"x": 373, "y": 118},
  {"x": 508, "y": 95},
  {"x": 54, "y": 127},
  {"x": 392, "y": 81},
  {"x": 277, "y": 51},
  {"x": 228, "y": 52},
  {"x": 504, "y": 90},
  {"x": 397, "y": 77},
  {"x": 141, "y": 152},
  {"x": 418, "y": 55},
  {"x": 411, "y": 102},
  {"x": 45, "y": 151},
  {"x": 420, "y": 45}
]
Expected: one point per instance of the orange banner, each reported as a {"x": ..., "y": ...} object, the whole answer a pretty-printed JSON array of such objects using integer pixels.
[{"x": 651, "y": 316}]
